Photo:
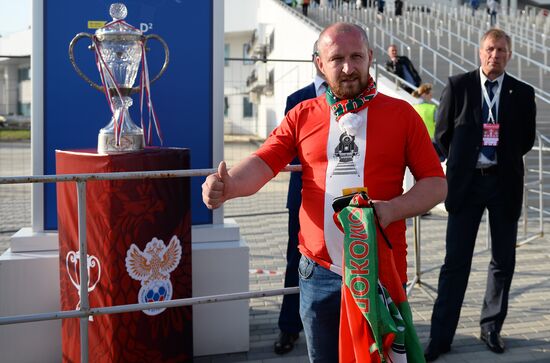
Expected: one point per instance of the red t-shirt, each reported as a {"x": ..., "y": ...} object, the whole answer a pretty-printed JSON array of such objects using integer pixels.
[{"x": 392, "y": 137}]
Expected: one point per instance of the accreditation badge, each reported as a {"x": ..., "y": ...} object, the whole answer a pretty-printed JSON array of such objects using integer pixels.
[{"x": 490, "y": 134}]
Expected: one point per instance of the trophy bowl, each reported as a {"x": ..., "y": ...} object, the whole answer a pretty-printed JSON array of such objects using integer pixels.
[{"x": 120, "y": 49}]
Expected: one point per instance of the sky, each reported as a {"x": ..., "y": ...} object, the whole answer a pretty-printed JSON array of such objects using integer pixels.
[{"x": 15, "y": 15}]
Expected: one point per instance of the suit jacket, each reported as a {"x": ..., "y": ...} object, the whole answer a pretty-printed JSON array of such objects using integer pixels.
[
  {"x": 294, "y": 197},
  {"x": 397, "y": 69},
  {"x": 459, "y": 128}
]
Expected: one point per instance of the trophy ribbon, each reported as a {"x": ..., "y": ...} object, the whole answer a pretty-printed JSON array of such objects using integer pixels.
[
  {"x": 145, "y": 87},
  {"x": 108, "y": 79},
  {"x": 100, "y": 62}
]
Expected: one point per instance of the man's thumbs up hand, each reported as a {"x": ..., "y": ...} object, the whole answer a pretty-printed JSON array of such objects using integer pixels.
[
  {"x": 222, "y": 171},
  {"x": 245, "y": 178},
  {"x": 213, "y": 188}
]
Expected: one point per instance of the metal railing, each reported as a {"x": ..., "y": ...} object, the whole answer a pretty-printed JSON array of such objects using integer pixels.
[
  {"x": 381, "y": 35},
  {"x": 85, "y": 311},
  {"x": 530, "y": 187},
  {"x": 542, "y": 68},
  {"x": 536, "y": 187},
  {"x": 521, "y": 59},
  {"x": 437, "y": 58},
  {"x": 398, "y": 81},
  {"x": 519, "y": 24},
  {"x": 424, "y": 44},
  {"x": 470, "y": 30}
]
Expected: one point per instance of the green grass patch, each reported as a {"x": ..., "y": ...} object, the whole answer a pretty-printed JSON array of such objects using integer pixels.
[{"x": 11, "y": 135}]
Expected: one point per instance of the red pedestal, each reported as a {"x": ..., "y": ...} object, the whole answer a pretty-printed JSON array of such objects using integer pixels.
[{"x": 139, "y": 250}]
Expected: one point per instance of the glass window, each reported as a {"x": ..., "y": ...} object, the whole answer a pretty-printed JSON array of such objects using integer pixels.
[
  {"x": 23, "y": 109},
  {"x": 225, "y": 106},
  {"x": 271, "y": 42},
  {"x": 246, "y": 57},
  {"x": 247, "y": 107},
  {"x": 24, "y": 74},
  {"x": 226, "y": 54}
]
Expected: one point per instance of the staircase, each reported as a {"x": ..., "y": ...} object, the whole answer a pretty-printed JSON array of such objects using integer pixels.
[{"x": 443, "y": 41}]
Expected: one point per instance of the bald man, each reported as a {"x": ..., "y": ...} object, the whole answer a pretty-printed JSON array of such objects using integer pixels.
[
  {"x": 402, "y": 67},
  {"x": 352, "y": 136}
]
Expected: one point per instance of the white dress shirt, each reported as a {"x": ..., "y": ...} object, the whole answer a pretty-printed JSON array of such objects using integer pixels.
[
  {"x": 482, "y": 161},
  {"x": 320, "y": 85}
]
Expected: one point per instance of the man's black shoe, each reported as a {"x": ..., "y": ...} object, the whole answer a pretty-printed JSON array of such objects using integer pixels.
[
  {"x": 493, "y": 340},
  {"x": 285, "y": 342},
  {"x": 433, "y": 351}
]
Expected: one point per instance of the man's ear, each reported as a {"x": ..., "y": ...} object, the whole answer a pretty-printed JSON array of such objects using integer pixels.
[{"x": 319, "y": 63}]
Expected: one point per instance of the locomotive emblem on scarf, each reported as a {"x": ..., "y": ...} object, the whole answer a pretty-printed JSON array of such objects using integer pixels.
[
  {"x": 72, "y": 263},
  {"x": 152, "y": 267},
  {"x": 345, "y": 152}
]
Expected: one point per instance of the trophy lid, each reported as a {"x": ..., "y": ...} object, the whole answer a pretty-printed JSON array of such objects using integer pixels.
[{"x": 118, "y": 27}]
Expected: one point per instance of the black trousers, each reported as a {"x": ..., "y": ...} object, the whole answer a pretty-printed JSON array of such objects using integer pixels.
[
  {"x": 462, "y": 227},
  {"x": 289, "y": 317}
]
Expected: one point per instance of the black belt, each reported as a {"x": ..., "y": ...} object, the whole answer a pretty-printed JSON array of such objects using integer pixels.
[{"x": 491, "y": 170}]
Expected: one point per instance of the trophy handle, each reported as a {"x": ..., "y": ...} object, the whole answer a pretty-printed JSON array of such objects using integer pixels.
[
  {"x": 73, "y": 62},
  {"x": 166, "y": 58}
]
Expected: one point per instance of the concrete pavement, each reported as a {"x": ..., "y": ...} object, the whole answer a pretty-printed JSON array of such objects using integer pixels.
[
  {"x": 262, "y": 219},
  {"x": 15, "y": 200}
]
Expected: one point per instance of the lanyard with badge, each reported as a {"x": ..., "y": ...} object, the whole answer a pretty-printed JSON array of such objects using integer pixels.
[{"x": 490, "y": 126}]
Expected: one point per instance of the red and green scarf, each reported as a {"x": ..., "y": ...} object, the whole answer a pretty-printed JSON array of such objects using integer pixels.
[
  {"x": 375, "y": 317},
  {"x": 341, "y": 107}
]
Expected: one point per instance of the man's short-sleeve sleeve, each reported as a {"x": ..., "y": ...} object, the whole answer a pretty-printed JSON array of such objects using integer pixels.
[{"x": 279, "y": 148}]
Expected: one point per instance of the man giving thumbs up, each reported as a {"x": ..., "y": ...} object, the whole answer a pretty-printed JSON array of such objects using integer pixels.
[{"x": 339, "y": 149}]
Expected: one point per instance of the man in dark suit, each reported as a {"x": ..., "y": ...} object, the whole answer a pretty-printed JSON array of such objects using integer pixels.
[
  {"x": 402, "y": 67},
  {"x": 398, "y": 5},
  {"x": 290, "y": 323},
  {"x": 486, "y": 123}
]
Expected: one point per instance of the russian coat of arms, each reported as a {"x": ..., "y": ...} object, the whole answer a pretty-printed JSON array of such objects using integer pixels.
[{"x": 152, "y": 267}]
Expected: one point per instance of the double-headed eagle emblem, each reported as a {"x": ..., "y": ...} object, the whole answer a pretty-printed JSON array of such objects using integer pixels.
[{"x": 152, "y": 267}]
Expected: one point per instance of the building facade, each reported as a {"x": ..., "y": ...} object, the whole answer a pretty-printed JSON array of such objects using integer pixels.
[
  {"x": 15, "y": 75},
  {"x": 270, "y": 46}
]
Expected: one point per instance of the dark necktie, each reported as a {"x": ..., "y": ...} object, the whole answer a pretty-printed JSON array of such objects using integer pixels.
[
  {"x": 322, "y": 90},
  {"x": 489, "y": 151}
]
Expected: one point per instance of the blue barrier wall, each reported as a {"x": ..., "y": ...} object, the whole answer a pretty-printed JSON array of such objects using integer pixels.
[{"x": 74, "y": 112}]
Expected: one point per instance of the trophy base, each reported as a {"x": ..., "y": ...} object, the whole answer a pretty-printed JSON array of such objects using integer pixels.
[{"x": 106, "y": 143}]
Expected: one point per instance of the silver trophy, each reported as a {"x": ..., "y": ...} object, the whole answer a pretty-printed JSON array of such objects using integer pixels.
[{"x": 119, "y": 50}]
